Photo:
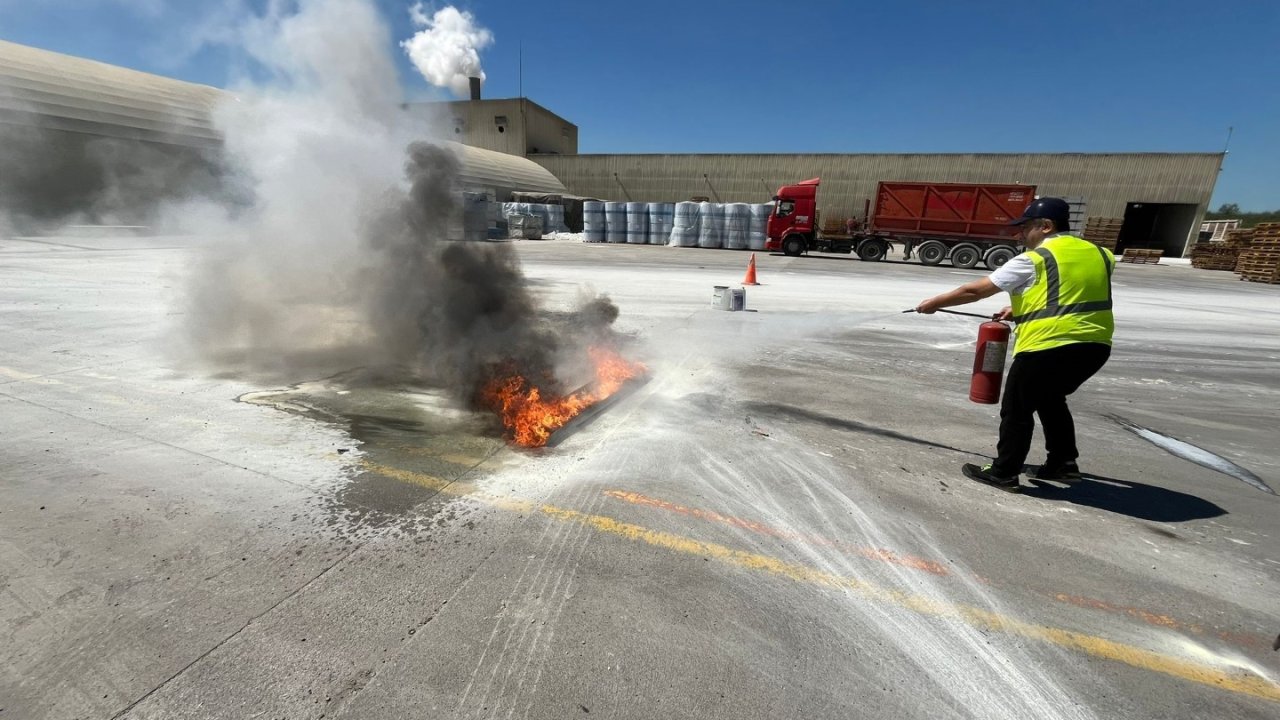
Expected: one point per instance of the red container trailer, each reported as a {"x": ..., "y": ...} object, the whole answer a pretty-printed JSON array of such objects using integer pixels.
[{"x": 965, "y": 222}]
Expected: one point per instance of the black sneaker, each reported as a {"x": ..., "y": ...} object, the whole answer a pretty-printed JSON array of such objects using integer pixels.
[
  {"x": 983, "y": 474},
  {"x": 1067, "y": 472}
]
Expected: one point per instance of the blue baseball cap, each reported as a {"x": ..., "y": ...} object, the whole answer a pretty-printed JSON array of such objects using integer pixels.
[{"x": 1047, "y": 208}]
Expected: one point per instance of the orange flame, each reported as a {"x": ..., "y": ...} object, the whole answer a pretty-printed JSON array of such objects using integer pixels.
[{"x": 530, "y": 418}]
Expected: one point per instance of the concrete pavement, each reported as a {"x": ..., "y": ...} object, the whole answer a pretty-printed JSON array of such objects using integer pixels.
[{"x": 773, "y": 526}]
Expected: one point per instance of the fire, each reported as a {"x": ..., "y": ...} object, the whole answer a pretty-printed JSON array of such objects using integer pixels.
[{"x": 530, "y": 418}]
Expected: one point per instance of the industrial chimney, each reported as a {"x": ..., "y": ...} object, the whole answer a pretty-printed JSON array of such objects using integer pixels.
[{"x": 475, "y": 88}]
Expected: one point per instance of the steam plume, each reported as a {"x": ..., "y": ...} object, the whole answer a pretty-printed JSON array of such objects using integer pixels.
[{"x": 447, "y": 48}]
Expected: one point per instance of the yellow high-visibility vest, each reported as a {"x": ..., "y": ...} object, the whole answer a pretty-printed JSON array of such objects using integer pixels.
[{"x": 1070, "y": 300}]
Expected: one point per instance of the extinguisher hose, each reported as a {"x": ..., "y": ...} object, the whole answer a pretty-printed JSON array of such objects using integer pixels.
[{"x": 954, "y": 312}]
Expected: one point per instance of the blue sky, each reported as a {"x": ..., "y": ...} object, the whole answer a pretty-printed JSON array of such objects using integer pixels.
[{"x": 821, "y": 76}]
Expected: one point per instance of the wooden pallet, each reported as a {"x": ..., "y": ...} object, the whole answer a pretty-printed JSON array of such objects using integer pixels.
[
  {"x": 1142, "y": 256},
  {"x": 1103, "y": 232},
  {"x": 1260, "y": 265},
  {"x": 1270, "y": 277},
  {"x": 1239, "y": 238},
  {"x": 1214, "y": 256}
]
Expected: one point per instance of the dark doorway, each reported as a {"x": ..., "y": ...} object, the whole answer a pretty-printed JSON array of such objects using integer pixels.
[{"x": 1157, "y": 226}]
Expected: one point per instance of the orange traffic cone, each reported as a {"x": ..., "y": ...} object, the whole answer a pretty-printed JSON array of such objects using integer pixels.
[{"x": 750, "y": 279}]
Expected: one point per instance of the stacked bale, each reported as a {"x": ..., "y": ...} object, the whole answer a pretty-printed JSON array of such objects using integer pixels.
[
  {"x": 737, "y": 223},
  {"x": 475, "y": 217},
  {"x": 1261, "y": 262},
  {"x": 757, "y": 232},
  {"x": 554, "y": 215},
  {"x": 615, "y": 222},
  {"x": 637, "y": 223},
  {"x": 593, "y": 227},
  {"x": 1103, "y": 232},
  {"x": 524, "y": 227},
  {"x": 661, "y": 216},
  {"x": 685, "y": 225},
  {"x": 710, "y": 225}
]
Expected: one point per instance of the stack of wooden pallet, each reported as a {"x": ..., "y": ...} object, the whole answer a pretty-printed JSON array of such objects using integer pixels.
[
  {"x": 1239, "y": 238},
  {"x": 1141, "y": 256},
  {"x": 1261, "y": 262},
  {"x": 1214, "y": 256},
  {"x": 1103, "y": 232}
]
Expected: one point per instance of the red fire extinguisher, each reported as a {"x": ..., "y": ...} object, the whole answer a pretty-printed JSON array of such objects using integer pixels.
[{"x": 988, "y": 363}]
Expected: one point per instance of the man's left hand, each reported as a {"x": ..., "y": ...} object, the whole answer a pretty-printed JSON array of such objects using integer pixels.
[{"x": 928, "y": 307}]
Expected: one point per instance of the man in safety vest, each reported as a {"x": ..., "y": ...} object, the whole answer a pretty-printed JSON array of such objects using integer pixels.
[{"x": 1061, "y": 293}]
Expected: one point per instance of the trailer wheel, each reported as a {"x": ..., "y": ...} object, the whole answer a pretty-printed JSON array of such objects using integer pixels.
[
  {"x": 873, "y": 250},
  {"x": 965, "y": 256},
  {"x": 998, "y": 256},
  {"x": 793, "y": 246},
  {"x": 931, "y": 252}
]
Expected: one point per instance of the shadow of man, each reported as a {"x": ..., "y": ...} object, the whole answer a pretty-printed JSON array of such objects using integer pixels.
[{"x": 1125, "y": 497}]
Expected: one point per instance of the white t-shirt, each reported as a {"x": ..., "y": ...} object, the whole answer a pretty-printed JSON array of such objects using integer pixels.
[{"x": 1015, "y": 276}]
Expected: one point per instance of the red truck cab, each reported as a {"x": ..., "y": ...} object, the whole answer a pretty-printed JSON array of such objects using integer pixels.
[{"x": 794, "y": 216}]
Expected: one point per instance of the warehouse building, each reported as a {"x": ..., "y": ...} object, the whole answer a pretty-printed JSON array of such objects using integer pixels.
[{"x": 1162, "y": 197}]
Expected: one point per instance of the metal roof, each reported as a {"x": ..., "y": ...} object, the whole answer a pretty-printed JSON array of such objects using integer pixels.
[
  {"x": 76, "y": 95},
  {"x": 483, "y": 168},
  {"x": 60, "y": 92}
]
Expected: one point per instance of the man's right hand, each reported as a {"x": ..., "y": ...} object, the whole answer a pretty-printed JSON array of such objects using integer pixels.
[{"x": 1003, "y": 315}]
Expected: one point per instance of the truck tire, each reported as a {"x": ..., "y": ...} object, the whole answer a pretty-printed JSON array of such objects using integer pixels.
[
  {"x": 965, "y": 256},
  {"x": 793, "y": 246},
  {"x": 873, "y": 250},
  {"x": 998, "y": 256},
  {"x": 931, "y": 252}
]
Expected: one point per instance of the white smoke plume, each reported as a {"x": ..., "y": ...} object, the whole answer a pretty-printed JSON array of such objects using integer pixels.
[{"x": 447, "y": 48}]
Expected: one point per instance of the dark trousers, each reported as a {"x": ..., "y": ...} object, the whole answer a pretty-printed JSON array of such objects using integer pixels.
[{"x": 1038, "y": 384}]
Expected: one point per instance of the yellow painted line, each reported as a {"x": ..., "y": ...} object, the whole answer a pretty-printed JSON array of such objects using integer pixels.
[
  {"x": 464, "y": 460},
  {"x": 451, "y": 458},
  {"x": 880, "y": 554},
  {"x": 430, "y": 482},
  {"x": 15, "y": 374},
  {"x": 1245, "y": 684}
]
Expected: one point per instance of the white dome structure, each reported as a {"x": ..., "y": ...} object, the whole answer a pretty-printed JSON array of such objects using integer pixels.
[{"x": 73, "y": 129}]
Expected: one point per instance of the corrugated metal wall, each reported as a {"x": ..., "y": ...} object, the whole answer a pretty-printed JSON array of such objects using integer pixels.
[
  {"x": 1106, "y": 182},
  {"x": 549, "y": 133}
]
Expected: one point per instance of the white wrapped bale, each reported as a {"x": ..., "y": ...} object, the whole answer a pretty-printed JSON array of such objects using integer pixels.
[
  {"x": 637, "y": 223},
  {"x": 593, "y": 222},
  {"x": 615, "y": 222},
  {"x": 660, "y": 219},
  {"x": 525, "y": 227},
  {"x": 737, "y": 221},
  {"x": 555, "y": 219},
  {"x": 684, "y": 225},
  {"x": 475, "y": 217},
  {"x": 710, "y": 225},
  {"x": 757, "y": 232}
]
